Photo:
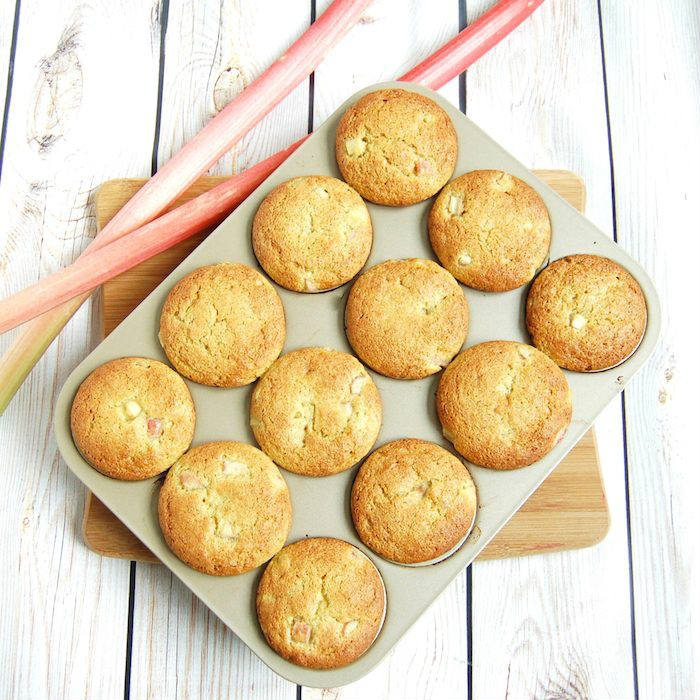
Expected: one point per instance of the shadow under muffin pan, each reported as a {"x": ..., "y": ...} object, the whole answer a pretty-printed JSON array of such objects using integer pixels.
[{"x": 322, "y": 505}]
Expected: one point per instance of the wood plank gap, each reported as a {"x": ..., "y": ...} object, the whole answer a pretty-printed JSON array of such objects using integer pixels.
[
  {"x": 607, "y": 121},
  {"x": 628, "y": 519},
  {"x": 312, "y": 77},
  {"x": 129, "y": 630},
  {"x": 164, "y": 11},
  {"x": 8, "y": 89},
  {"x": 462, "y": 24},
  {"x": 470, "y": 686},
  {"x": 163, "y": 21},
  {"x": 633, "y": 627}
]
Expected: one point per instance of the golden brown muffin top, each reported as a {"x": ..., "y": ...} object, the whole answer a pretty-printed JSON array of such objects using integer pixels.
[{"x": 320, "y": 603}]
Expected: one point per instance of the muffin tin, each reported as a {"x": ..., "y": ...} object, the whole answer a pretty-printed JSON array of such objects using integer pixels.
[{"x": 321, "y": 505}]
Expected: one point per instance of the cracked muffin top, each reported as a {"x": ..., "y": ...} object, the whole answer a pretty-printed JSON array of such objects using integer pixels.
[
  {"x": 316, "y": 411},
  {"x": 412, "y": 501},
  {"x": 222, "y": 325},
  {"x": 586, "y": 312},
  {"x": 406, "y": 319},
  {"x": 132, "y": 418},
  {"x": 320, "y": 603},
  {"x": 503, "y": 404},
  {"x": 312, "y": 233},
  {"x": 224, "y": 508},
  {"x": 396, "y": 147},
  {"x": 490, "y": 229}
]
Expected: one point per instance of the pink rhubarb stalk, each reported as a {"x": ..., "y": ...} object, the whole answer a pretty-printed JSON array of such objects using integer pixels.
[
  {"x": 106, "y": 262},
  {"x": 203, "y": 211}
]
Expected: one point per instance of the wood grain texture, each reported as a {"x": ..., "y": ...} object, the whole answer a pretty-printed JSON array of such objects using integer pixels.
[
  {"x": 180, "y": 648},
  {"x": 64, "y": 624},
  {"x": 654, "y": 107},
  {"x": 213, "y": 50},
  {"x": 552, "y": 626}
]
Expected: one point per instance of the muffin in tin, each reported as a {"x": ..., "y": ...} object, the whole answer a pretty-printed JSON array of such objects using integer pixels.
[
  {"x": 316, "y": 411},
  {"x": 412, "y": 501},
  {"x": 222, "y": 325},
  {"x": 490, "y": 229},
  {"x": 320, "y": 603},
  {"x": 312, "y": 233},
  {"x": 132, "y": 418},
  {"x": 224, "y": 508},
  {"x": 503, "y": 404},
  {"x": 586, "y": 312},
  {"x": 406, "y": 319},
  {"x": 396, "y": 147}
]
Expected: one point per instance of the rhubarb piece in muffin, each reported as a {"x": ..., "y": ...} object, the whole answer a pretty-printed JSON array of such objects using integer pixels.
[
  {"x": 224, "y": 508},
  {"x": 132, "y": 418},
  {"x": 320, "y": 603},
  {"x": 396, "y": 147}
]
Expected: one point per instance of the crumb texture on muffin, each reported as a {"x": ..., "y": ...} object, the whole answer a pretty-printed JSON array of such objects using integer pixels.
[
  {"x": 320, "y": 603},
  {"x": 132, "y": 417},
  {"x": 406, "y": 318},
  {"x": 396, "y": 147},
  {"x": 222, "y": 325},
  {"x": 412, "y": 501},
  {"x": 224, "y": 508},
  {"x": 312, "y": 233},
  {"x": 316, "y": 411},
  {"x": 586, "y": 312},
  {"x": 503, "y": 404},
  {"x": 490, "y": 229}
]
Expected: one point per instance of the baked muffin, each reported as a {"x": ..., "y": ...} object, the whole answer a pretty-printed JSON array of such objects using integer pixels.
[
  {"x": 224, "y": 508},
  {"x": 312, "y": 233},
  {"x": 320, "y": 603},
  {"x": 490, "y": 229},
  {"x": 406, "y": 318},
  {"x": 503, "y": 404},
  {"x": 586, "y": 312},
  {"x": 412, "y": 501},
  {"x": 316, "y": 411},
  {"x": 396, "y": 147},
  {"x": 222, "y": 325},
  {"x": 132, "y": 418}
]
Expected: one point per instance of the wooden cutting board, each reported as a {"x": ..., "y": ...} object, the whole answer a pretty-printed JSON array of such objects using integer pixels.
[{"x": 568, "y": 511}]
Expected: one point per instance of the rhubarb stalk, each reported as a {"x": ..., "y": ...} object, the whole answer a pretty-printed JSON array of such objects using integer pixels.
[
  {"x": 215, "y": 139},
  {"x": 208, "y": 209}
]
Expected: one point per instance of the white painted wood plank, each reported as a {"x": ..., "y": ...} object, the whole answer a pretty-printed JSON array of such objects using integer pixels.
[
  {"x": 431, "y": 660},
  {"x": 556, "y": 625},
  {"x": 213, "y": 50},
  {"x": 180, "y": 648},
  {"x": 653, "y": 74},
  {"x": 393, "y": 36},
  {"x": 74, "y": 121}
]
